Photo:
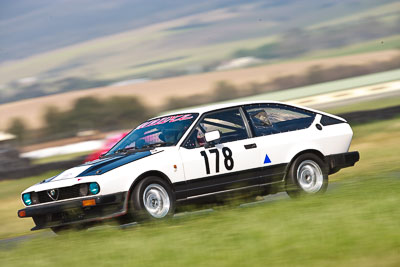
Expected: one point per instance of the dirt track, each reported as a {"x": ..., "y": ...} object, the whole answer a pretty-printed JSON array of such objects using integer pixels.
[{"x": 154, "y": 93}]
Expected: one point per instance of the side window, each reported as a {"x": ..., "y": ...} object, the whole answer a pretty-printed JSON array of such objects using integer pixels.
[
  {"x": 229, "y": 122},
  {"x": 274, "y": 118}
]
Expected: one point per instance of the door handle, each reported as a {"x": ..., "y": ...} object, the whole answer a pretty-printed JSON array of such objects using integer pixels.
[{"x": 250, "y": 146}]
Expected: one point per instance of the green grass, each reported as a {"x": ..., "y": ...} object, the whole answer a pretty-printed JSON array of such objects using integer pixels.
[
  {"x": 347, "y": 226},
  {"x": 10, "y": 202},
  {"x": 356, "y": 223}
]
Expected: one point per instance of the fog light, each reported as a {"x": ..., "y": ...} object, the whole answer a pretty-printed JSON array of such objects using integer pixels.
[
  {"x": 83, "y": 190},
  {"x": 94, "y": 188},
  {"x": 27, "y": 199}
]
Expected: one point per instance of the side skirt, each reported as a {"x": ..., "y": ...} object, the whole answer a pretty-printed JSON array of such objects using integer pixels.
[
  {"x": 229, "y": 191},
  {"x": 230, "y": 182}
]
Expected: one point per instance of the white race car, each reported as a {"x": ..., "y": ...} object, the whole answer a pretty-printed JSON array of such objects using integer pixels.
[{"x": 196, "y": 154}]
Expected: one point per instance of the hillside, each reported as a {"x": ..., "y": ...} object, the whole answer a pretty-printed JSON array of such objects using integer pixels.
[
  {"x": 49, "y": 47},
  {"x": 49, "y": 25}
]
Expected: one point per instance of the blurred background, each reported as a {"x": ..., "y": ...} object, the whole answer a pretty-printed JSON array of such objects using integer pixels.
[{"x": 75, "y": 76}]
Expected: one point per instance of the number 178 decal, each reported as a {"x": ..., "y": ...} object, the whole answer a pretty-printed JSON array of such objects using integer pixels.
[{"x": 228, "y": 160}]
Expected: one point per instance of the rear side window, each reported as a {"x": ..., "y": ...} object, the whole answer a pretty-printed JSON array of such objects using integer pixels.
[
  {"x": 269, "y": 119},
  {"x": 326, "y": 120}
]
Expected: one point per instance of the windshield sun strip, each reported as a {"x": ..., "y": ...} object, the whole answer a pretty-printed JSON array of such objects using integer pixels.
[{"x": 155, "y": 122}]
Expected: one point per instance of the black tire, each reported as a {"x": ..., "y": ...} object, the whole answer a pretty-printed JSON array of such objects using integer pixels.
[
  {"x": 313, "y": 176},
  {"x": 138, "y": 210}
]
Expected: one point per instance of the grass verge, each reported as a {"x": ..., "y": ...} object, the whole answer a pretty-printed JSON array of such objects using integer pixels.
[{"x": 10, "y": 202}]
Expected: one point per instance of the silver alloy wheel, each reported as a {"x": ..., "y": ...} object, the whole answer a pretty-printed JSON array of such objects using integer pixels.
[
  {"x": 156, "y": 200},
  {"x": 310, "y": 176}
]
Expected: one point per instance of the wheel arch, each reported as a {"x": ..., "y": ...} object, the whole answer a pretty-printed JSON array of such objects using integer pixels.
[
  {"x": 307, "y": 151},
  {"x": 151, "y": 173}
]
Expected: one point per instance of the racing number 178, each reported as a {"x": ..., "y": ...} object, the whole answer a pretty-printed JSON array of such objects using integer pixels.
[{"x": 228, "y": 160}]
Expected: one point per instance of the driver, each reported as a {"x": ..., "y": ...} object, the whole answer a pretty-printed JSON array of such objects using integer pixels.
[{"x": 263, "y": 118}]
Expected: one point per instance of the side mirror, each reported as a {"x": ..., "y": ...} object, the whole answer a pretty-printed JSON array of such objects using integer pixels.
[{"x": 212, "y": 137}]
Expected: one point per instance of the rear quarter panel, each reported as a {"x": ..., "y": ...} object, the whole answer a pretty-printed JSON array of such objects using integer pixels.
[
  {"x": 283, "y": 147},
  {"x": 332, "y": 139}
]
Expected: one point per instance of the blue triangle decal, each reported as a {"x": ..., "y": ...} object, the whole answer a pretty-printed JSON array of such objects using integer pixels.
[{"x": 267, "y": 160}]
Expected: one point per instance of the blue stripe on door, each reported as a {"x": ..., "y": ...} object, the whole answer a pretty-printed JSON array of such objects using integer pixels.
[{"x": 267, "y": 160}]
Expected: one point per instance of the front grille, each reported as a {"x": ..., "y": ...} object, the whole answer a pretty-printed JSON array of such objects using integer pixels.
[{"x": 63, "y": 193}]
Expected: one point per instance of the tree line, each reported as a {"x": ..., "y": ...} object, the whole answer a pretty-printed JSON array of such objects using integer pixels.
[{"x": 87, "y": 113}]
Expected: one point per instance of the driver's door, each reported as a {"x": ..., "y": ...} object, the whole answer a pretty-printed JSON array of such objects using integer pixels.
[{"x": 229, "y": 164}]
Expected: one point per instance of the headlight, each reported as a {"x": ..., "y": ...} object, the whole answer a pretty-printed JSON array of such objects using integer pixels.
[
  {"x": 94, "y": 188},
  {"x": 27, "y": 199}
]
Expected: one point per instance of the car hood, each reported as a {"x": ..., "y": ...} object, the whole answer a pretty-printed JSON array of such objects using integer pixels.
[{"x": 100, "y": 166}]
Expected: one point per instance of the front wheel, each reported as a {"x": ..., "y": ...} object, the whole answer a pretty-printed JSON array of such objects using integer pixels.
[
  {"x": 308, "y": 174},
  {"x": 152, "y": 199}
]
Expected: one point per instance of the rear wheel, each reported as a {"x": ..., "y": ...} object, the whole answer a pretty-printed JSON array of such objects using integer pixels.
[
  {"x": 308, "y": 174},
  {"x": 152, "y": 199}
]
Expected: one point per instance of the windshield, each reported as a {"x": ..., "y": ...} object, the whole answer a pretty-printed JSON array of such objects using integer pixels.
[{"x": 164, "y": 131}]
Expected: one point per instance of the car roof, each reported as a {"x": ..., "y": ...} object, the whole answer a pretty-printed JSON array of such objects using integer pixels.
[
  {"x": 212, "y": 107},
  {"x": 206, "y": 108}
]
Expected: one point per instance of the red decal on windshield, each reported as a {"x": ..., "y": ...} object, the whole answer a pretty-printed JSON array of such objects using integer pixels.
[
  {"x": 163, "y": 120},
  {"x": 175, "y": 118},
  {"x": 153, "y": 123},
  {"x": 169, "y": 119},
  {"x": 186, "y": 117},
  {"x": 143, "y": 125}
]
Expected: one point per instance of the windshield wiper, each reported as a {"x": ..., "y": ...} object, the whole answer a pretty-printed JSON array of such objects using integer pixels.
[
  {"x": 158, "y": 144},
  {"x": 123, "y": 150}
]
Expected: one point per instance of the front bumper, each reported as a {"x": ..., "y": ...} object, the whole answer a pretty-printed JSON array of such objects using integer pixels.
[
  {"x": 74, "y": 211},
  {"x": 342, "y": 160}
]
